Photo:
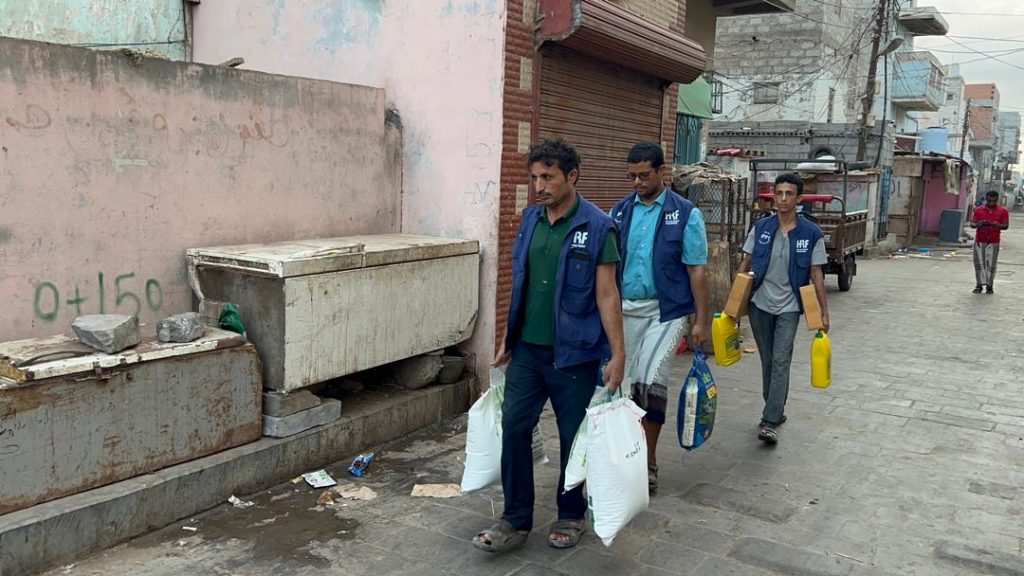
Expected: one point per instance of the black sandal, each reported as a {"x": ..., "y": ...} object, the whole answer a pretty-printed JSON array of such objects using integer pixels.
[
  {"x": 768, "y": 435},
  {"x": 502, "y": 537},
  {"x": 574, "y": 529}
]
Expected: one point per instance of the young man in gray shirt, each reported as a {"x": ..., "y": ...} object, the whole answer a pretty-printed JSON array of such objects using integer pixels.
[{"x": 785, "y": 252}]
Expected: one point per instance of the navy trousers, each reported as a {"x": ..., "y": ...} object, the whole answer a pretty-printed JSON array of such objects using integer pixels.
[{"x": 530, "y": 380}]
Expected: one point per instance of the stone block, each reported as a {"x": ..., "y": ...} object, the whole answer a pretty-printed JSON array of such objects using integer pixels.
[
  {"x": 725, "y": 498},
  {"x": 180, "y": 328},
  {"x": 786, "y": 559},
  {"x": 415, "y": 372},
  {"x": 109, "y": 333},
  {"x": 984, "y": 561},
  {"x": 328, "y": 411},
  {"x": 280, "y": 404}
]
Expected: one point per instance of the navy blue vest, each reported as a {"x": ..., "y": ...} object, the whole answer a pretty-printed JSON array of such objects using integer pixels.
[
  {"x": 801, "y": 245},
  {"x": 579, "y": 335},
  {"x": 671, "y": 278}
]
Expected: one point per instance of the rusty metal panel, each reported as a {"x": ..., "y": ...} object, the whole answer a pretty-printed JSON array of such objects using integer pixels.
[
  {"x": 602, "y": 110},
  {"x": 69, "y": 434},
  {"x": 604, "y": 30}
]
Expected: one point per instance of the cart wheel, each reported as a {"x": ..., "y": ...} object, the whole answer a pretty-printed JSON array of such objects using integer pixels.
[{"x": 847, "y": 273}]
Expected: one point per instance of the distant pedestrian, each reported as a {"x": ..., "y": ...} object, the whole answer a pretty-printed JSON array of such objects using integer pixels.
[
  {"x": 990, "y": 220},
  {"x": 564, "y": 319},
  {"x": 785, "y": 251},
  {"x": 662, "y": 274}
]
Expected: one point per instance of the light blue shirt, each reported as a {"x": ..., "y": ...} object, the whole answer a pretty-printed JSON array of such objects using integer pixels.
[{"x": 638, "y": 271}]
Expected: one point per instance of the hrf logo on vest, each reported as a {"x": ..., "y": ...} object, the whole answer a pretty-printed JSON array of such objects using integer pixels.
[
  {"x": 579, "y": 240},
  {"x": 765, "y": 238},
  {"x": 672, "y": 218},
  {"x": 802, "y": 246}
]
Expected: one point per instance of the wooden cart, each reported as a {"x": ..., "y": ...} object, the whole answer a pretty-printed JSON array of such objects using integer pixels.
[{"x": 845, "y": 232}]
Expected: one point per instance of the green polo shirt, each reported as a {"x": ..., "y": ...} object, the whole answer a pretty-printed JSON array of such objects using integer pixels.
[{"x": 541, "y": 270}]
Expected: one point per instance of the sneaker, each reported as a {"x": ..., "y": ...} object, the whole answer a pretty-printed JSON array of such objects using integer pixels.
[
  {"x": 977, "y": 289},
  {"x": 652, "y": 477},
  {"x": 988, "y": 290}
]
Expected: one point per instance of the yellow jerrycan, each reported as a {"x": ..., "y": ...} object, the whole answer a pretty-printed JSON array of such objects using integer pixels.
[
  {"x": 821, "y": 361},
  {"x": 725, "y": 337}
]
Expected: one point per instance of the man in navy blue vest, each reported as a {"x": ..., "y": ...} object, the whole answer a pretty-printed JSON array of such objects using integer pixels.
[
  {"x": 662, "y": 274},
  {"x": 564, "y": 319},
  {"x": 785, "y": 251}
]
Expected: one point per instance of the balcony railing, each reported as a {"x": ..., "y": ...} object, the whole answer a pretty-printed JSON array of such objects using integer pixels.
[{"x": 917, "y": 81}]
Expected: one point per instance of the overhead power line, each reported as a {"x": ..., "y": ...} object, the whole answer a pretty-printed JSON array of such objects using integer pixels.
[{"x": 990, "y": 57}]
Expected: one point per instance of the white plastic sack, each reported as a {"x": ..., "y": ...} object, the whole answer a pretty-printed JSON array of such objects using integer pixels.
[
  {"x": 483, "y": 438},
  {"x": 616, "y": 467},
  {"x": 576, "y": 468}
]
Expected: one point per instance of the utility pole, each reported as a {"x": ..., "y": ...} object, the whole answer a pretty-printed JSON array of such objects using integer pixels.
[
  {"x": 869, "y": 98},
  {"x": 963, "y": 136}
]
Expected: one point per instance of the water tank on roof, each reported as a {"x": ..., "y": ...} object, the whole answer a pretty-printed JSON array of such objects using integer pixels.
[{"x": 934, "y": 139}]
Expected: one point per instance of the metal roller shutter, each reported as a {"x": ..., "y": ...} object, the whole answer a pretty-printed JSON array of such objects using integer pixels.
[{"x": 601, "y": 109}]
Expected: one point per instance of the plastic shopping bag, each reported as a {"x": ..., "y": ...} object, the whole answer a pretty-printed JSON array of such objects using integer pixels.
[
  {"x": 698, "y": 402},
  {"x": 576, "y": 468},
  {"x": 616, "y": 466},
  {"x": 483, "y": 438}
]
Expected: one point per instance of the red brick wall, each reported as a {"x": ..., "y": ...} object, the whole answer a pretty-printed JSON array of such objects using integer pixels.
[
  {"x": 668, "y": 125},
  {"x": 518, "y": 107}
]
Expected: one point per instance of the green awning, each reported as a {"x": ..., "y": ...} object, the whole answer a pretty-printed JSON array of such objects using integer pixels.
[{"x": 695, "y": 99}]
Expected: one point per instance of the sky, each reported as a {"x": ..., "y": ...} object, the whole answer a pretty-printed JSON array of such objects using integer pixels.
[{"x": 989, "y": 20}]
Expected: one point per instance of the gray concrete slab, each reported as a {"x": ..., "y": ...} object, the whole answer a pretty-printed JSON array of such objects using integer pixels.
[
  {"x": 284, "y": 426},
  {"x": 910, "y": 464},
  {"x": 280, "y": 404}
]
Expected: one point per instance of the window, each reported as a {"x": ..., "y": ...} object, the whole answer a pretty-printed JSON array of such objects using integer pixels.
[
  {"x": 689, "y": 130},
  {"x": 717, "y": 91},
  {"x": 766, "y": 92}
]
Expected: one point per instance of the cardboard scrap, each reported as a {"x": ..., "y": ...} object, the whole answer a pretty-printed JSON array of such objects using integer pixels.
[
  {"x": 353, "y": 492},
  {"x": 436, "y": 491}
]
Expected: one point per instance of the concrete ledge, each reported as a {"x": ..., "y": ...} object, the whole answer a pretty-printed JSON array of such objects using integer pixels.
[{"x": 61, "y": 531}]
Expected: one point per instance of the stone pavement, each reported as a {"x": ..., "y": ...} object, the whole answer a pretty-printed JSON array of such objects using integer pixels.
[{"x": 911, "y": 464}]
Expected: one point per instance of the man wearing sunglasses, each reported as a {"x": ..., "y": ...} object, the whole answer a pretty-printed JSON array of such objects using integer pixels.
[{"x": 662, "y": 273}]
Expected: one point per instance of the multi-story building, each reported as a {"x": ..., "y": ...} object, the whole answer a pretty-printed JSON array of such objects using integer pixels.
[
  {"x": 1007, "y": 154},
  {"x": 950, "y": 116},
  {"x": 808, "y": 69},
  {"x": 983, "y": 107}
]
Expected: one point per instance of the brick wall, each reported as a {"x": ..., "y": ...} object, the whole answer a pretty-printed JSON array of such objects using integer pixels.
[
  {"x": 521, "y": 78},
  {"x": 794, "y": 140}
]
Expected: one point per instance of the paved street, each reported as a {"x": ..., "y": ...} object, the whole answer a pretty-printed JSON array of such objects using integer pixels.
[{"x": 911, "y": 464}]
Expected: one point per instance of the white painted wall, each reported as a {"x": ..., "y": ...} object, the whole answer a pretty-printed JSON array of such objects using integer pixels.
[{"x": 441, "y": 65}]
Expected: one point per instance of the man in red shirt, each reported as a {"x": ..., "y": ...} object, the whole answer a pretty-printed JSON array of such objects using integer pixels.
[{"x": 990, "y": 219}]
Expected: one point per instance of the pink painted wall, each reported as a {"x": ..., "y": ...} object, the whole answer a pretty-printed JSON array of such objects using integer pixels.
[
  {"x": 109, "y": 171},
  {"x": 441, "y": 64},
  {"x": 936, "y": 199}
]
